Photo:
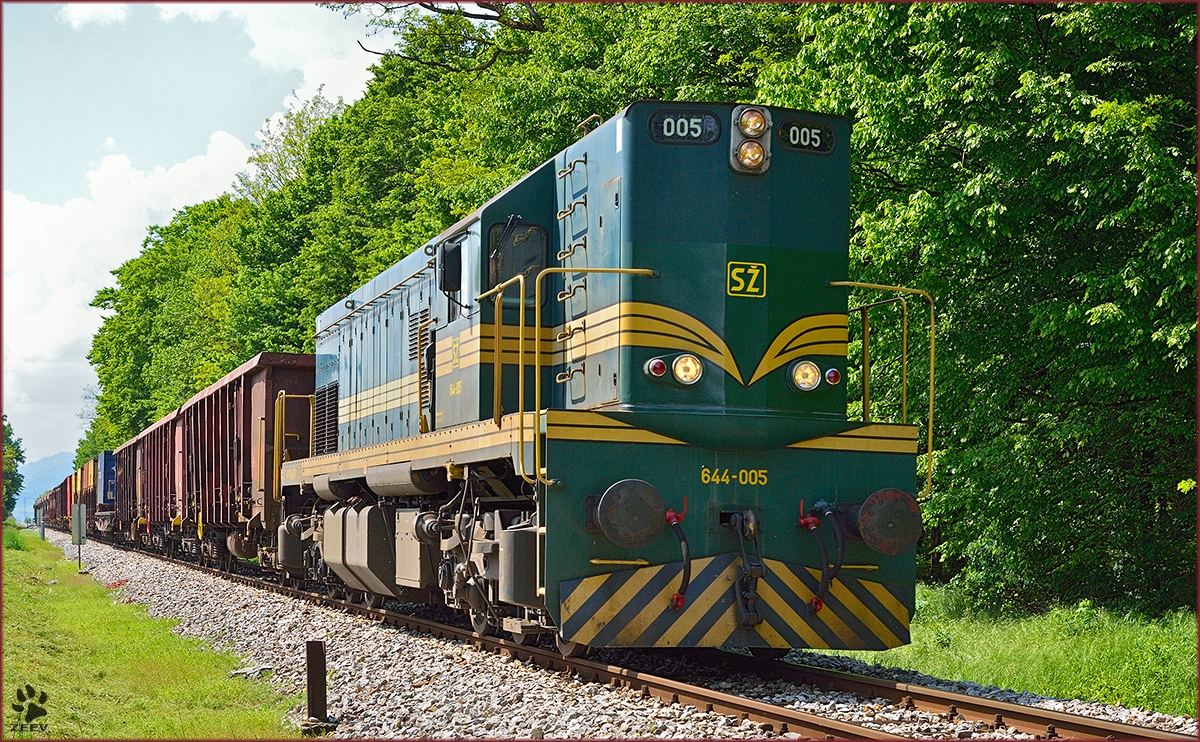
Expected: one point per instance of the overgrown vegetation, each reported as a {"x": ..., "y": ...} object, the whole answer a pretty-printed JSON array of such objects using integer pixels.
[
  {"x": 14, "y": 456},
  {"x": 1032, "y": 166},
  {"x": 109, "y": 671},
  {"x": 1080, "y": 651}
]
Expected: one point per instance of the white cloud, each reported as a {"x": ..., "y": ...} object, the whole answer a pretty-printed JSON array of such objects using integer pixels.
[
  {"x": 81, "y": 14},
  {"x": 110, "y": 144},
  {"x": 55, "y": 259},
  {"x": 315, "y": 40}
]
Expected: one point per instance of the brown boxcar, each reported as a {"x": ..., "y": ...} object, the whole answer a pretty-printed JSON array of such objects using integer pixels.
[{"x": 228, "y": 433}]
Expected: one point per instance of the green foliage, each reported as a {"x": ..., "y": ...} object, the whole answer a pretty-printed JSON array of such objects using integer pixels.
[
  {"x": 110, "y": 671},
  {"x": 13, "y": 540},
  {"x": 1031, "y": 166},
  {"x": 14, "y": 456},
  {"x": 1079, "y": 651}
]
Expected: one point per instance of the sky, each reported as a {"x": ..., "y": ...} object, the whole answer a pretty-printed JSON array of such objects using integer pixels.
[{"x": 114, "y": 116}]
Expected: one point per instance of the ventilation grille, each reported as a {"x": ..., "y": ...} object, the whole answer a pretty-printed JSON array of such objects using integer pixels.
[
  {"x": 415, "y": 321},
  {"x": 325, "y": 420}
]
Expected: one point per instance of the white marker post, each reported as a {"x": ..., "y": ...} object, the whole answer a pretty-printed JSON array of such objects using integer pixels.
[{"x": 78, "y": 529}]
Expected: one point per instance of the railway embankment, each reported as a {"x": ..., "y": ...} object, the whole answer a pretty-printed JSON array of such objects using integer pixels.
[
  {"x": 386, "y": 681},
  {"x": 89, "y": 662},
  {"x": 389, "y": 682}
]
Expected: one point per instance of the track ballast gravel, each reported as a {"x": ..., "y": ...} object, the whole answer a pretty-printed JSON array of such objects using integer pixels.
[{"x": 391, "y": 682}]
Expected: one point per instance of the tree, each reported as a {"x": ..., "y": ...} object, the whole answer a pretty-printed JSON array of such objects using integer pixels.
[
  {"x": 1033, "y": 166},
  {"x": 14, "y": 456}
]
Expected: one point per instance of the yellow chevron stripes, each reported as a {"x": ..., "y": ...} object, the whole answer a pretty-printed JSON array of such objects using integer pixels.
[
  {"x": 568, "y": 425},
  {"x": 638, "y": 324},
  {"x": 631, "y": 608},
  {"x": 818, "y": 334},
  {"x": 878, "y": 437},
  {"x": 655, "y": 326}
]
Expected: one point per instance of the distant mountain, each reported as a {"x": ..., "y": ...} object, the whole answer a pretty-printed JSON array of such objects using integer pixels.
[{"x": 40, "y": 476}]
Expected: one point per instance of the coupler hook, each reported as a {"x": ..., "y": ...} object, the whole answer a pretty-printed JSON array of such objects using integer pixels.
[{"x": 750, "y": 571}]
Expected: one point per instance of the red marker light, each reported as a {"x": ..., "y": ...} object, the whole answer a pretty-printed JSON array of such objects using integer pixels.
[
  {"x": 656, "y": 367},
  {"x": 833, "y": 376}
]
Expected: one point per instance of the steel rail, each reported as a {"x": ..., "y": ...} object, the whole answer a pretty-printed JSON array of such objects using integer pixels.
[
  {"x": 776, "y": 719},
  {"x": 1045, "y": 723}
]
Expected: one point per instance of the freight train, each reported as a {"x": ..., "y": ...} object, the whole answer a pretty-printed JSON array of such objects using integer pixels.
[{"x": 608, "y": 405}]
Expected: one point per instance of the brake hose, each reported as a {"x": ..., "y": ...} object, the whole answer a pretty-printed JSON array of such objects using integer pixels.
[
  {"x": 827, "y": 575},
  {"x": 675, "y": 520}
]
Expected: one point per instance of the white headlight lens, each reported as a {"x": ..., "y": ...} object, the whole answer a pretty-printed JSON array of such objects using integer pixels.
[
  {"x": 751, "y": 154},
  {"x": 806, "y": 375},
  {"x": 752, "y": 122},
  {"x": 687, "y": 369}
]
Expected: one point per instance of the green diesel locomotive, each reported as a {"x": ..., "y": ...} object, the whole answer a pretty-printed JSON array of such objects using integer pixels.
[{"x": 610, "y": 404}]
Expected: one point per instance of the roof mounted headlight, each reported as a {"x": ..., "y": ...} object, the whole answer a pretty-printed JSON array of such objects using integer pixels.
[
  {"x": 752, "y": 122},
  {"x": 751, "y": 154},
  {"x": 750, "y": 139}
]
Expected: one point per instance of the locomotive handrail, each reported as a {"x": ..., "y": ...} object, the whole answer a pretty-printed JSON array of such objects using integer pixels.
[
  {"x": 537, "y": 362},
  {"x": 431, "y": 263},
  {"x": 932, "y": 337},
  {"x": 280, "y": 435},
  {"x": 866, "y": 363},
  {"x": 498, "y": 366}
]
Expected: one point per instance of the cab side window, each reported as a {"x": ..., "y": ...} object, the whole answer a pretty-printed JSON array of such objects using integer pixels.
[{"x": 516, "y": 248}]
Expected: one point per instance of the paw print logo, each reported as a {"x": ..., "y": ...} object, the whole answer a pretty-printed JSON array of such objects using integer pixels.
[{"x": 29, "y": 704}]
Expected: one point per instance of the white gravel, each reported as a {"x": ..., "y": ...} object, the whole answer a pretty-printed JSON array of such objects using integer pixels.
[
  {"x": 389, "y": 682},
  {"x": 1139, "y": 716}
]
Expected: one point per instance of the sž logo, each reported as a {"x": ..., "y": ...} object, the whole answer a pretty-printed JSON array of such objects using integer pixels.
[{"x": 29, "y": 707}]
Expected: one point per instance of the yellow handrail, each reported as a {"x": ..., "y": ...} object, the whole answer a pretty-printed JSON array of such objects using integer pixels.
[
  {"x": 498, "y": 367},
  {"x": 280, "y": 438},
  {"x": 932, "y": 338},
  {"x": 866, "y": 364},
  {"x": 537, "y": 362}
]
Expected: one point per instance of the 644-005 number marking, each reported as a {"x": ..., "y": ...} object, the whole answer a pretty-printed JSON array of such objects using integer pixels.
[{"x": 754, "y": 477}]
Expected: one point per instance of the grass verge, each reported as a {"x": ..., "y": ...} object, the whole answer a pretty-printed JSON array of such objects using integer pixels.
[
  {"x": 1079, "y": 652},
  {"x": 109, "y": 670}
]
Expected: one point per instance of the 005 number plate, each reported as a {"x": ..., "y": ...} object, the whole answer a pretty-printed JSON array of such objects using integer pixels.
[
  {"x": 807, "y": 136},
  {"x": 684, "y": 127}
]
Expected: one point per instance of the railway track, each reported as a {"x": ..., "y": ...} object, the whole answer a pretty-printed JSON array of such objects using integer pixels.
[
  {"x": 773, "y": 719},
  {"x": 1040, "y": 722}
]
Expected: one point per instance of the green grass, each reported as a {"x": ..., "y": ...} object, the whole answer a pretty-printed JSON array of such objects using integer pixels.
[
  {"x": 111, "y": 671},
  {"x": 1078, "y": 652}
]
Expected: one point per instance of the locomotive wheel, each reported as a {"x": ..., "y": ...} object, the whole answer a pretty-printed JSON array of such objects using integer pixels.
[
  {"x": 480, "y": 625},
  {"x": 570, "y": 650},
  {"x": 370, "y": 600},
  {"x": 525, "y": 640}
]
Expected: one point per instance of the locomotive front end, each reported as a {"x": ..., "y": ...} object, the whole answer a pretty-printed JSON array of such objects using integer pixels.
[{"x": 702, "y": 483}]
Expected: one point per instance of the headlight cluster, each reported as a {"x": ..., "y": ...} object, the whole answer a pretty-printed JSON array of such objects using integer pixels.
[
  {"x": 750, "y": 140},
  {"x": 806, "y": 376},
  {"x": 686, "y": 369}
]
